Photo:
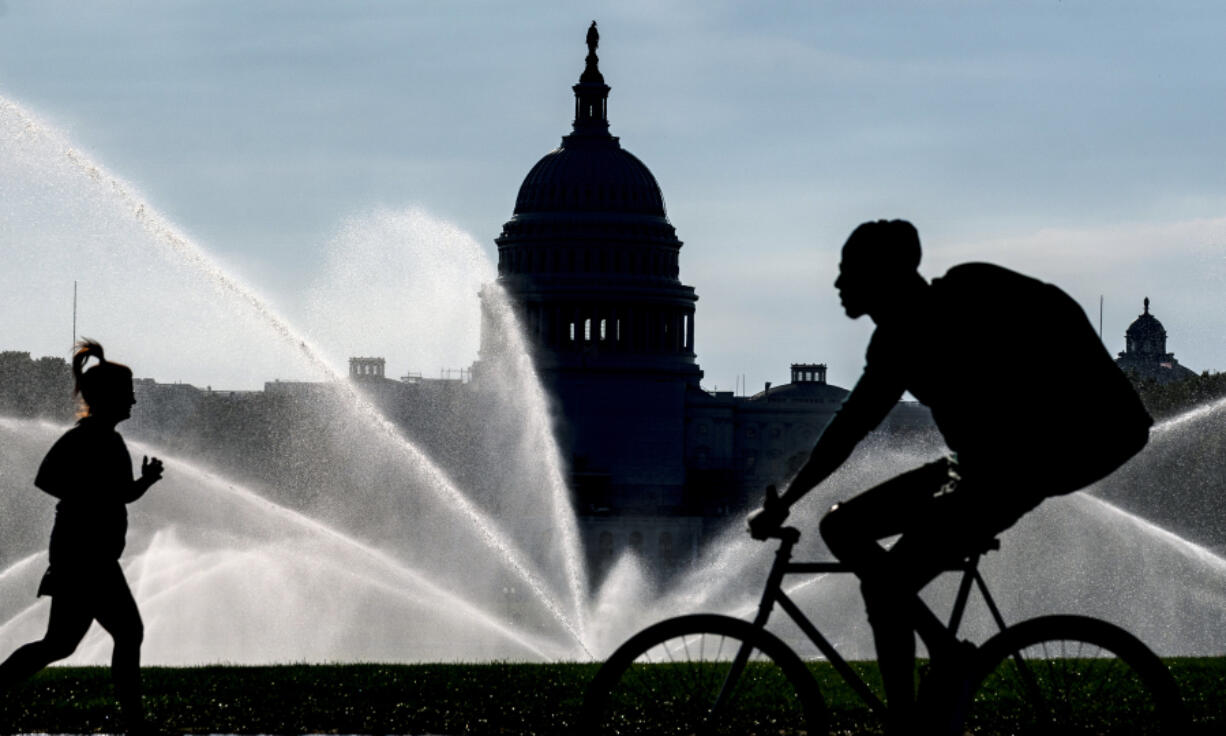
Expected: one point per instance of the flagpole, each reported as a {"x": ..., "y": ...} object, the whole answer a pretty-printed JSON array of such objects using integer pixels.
[{"x": 1100, "y": 317}]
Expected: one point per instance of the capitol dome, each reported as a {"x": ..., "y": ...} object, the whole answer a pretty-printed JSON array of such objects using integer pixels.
[
  {"x": 590, "y": 173},
  {"x": 589, "y": 209}
]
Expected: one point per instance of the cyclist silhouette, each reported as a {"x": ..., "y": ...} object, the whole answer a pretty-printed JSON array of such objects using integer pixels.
[
  {"x": 90, "y": 471},
  {"x": 1019, "y": 385}
]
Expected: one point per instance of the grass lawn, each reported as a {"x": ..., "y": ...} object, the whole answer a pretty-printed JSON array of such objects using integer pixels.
[{"x": 398, "y": 699}]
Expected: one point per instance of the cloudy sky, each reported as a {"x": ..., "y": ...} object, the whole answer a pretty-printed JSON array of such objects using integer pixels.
[{"x": 1077, "y": 141}]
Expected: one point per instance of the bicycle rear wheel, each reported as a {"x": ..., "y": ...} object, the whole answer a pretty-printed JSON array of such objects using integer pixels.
[
  {"x": 1071, "y": 675},
  {"x": 667, "y": 679}
]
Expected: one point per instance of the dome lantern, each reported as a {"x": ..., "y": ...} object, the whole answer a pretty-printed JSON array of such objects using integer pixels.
[{"x": 591, "y": 93}]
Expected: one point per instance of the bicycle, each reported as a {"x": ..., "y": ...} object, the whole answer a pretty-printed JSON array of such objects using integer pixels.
[{"x": 711, "y": 674}]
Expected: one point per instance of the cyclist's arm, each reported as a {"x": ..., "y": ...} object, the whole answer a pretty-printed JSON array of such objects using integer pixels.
[{"x": 874, "y": 395}]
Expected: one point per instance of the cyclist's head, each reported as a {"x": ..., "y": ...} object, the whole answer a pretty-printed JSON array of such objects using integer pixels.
[{"x": 879, "y": 259}]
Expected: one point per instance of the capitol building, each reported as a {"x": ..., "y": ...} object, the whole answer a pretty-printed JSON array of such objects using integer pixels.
[{"x": 592, "y": 265}]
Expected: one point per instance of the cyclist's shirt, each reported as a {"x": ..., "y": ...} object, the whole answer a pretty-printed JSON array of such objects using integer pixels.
[{"x": 1015, "y": 376}]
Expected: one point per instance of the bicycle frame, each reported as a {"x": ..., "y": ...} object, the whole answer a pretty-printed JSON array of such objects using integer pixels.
[{"x": 941, "y": 638}]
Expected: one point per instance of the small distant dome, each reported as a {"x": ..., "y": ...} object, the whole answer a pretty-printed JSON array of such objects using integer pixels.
[
  {"x": 1145, "y": 355},
  {"x": 1146, "y": 335}
]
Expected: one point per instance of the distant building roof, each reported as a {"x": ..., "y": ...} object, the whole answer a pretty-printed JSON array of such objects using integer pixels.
[{"x": 808, "y": 386}]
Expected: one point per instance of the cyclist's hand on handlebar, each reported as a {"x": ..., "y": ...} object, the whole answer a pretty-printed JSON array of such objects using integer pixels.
[{"x": 766, "y": 521}]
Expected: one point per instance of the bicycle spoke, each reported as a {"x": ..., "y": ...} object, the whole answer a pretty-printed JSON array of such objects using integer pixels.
[
  {"x": 1072, "y": 675},
  {"x": 696, "y": 679},
  {"x": 670, "y": 684}
]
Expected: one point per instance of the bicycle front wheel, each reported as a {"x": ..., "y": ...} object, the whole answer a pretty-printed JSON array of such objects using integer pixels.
[
  {"x": 1071, "y": 675},
  {"x": 679, "y": 677}
]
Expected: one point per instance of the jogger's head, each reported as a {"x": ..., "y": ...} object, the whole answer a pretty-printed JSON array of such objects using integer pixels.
[{"x": 105, "y": 387}]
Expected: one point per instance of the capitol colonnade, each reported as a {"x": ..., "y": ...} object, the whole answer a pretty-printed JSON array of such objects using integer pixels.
[{"x": 611, "y": 326}]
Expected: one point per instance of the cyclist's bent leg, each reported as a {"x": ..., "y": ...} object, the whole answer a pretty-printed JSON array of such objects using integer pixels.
[
  {"x": 940, "y": 523},
  {"x": 851, "y": 530}
]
